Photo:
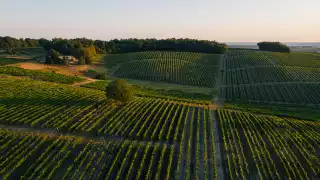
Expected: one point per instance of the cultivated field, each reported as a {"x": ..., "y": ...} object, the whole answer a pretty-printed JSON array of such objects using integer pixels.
[
  {"x": 271, "y": 77},
  {"x": 195, "y": 69},
  {"x": 269, "y": 147},
  {"x": 58, "y": 126}
]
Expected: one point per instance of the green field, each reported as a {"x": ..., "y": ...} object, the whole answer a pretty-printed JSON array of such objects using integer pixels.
[
  {"x": 264, "y": 77},
  {"x": 296, "y": 59},
  {"x": 195, "y": 69},
  {"x": 242, "y": 115},
  {"x": 177, "y": 93}
]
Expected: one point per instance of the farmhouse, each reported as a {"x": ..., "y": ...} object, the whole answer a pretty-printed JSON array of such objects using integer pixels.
[{"x": 71, "y": 59}]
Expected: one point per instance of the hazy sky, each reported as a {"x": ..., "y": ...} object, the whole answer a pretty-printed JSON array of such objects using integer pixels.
[{"x": 221, "y": 20}]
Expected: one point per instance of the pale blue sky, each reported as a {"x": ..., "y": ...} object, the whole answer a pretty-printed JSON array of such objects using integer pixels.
[{"x": 221, "y": 20}]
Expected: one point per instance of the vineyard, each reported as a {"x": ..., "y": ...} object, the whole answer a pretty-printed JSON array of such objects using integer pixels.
[
  {"x": 270, "y": 77},
  {"x": 290, "y": 93},
  {"x": 170, "y": 138},
  {"x": 57, "y": 131},
  {"x": 295, "y": 59},
  {"x": 44, "y": 155},
  {"x": 194, "y": 69},
  {"x": 269, "y": 147},
  {"x": 172, "y": 94},
  {"x": 34, "y": 156}
]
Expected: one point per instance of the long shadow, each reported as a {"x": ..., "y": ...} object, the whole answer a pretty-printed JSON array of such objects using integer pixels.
[{"x": 44, "y": 101}]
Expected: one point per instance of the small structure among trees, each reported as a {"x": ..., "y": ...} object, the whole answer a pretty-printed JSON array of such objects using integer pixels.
[
  {"x": 69, "y": 59},
  {"x": 273, "y": 46},
  {"x": 120, "y": 90}
]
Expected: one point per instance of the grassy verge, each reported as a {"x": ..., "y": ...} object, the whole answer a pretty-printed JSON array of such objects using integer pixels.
[
  {"x": 39, "y": 75},
  {"x": 173, "y": 94},
  {"x": 302, "y": 112}
]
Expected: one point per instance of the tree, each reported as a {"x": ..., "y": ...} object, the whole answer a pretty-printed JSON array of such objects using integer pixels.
[
  {"x": 273, "y": 46},
  {"x": 82, "y": 61},
  {"x": 54, "y": 55},
  {"x": 120, "y": 90}
]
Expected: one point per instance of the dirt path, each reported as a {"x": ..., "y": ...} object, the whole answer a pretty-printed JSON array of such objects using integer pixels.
[
  {"x": 88, "y": 80},
  {"x": 218, "y": 101},
  {"x": 269, "y": 59},
  {"x": 185, "y": 146},
  {"x": 201, "y": 148},
  {"x": 218, "y": 146}
]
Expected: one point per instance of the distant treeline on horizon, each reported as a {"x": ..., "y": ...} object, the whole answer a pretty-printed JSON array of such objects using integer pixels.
[
  {"x": 254, "y": 44},
  {"x": 67, "y": 46}
]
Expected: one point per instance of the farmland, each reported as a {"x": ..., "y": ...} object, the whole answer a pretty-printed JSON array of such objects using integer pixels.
[
  {"x": 178, "y": 125},
  {"x": 169, "y": 126},
  {"x": 270, "y": 78},
  {"x": 174, "y": 93},
  {"x": 195, "y": 69},
  {"x": 258, "y": 146}
]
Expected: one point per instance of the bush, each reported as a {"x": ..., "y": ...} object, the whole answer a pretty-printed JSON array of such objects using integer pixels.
[
  {"x": 102, "y": 76},
  {"x": 97, "y": 75},
  {"x": 82, "y": 61},
  {"x": 120, "y": 90}
]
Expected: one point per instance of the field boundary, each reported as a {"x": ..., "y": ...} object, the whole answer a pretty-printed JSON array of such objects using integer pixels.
[
  {"x": 271, "y": 83},
  {"x": 252, "y": 67}
]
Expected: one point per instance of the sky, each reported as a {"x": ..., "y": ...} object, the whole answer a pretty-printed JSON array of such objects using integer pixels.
[{"x": 220, "y": 20}]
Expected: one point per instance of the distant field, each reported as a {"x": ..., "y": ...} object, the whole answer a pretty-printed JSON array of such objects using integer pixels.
[
  {"x": 266, "y": 77},
  {"x": 296, "y": 59},
  {"x": 195, "y": 69}
]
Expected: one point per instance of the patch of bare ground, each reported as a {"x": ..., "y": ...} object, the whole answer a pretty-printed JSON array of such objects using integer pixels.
[
  {"x": 88, "y": 80},
  {"x": 75, "y": 70},
  {"x": 19, "y": 57}
]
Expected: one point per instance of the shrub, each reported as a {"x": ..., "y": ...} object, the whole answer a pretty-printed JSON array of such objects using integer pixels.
[
  {"x": 120, "y": 90},
  {"x": 102, "y": 76},
  {"x": 97, "y": 75}
]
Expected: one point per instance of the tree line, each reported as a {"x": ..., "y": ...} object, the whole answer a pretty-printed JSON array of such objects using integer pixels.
[
  {"x": 11, "y": 43},
  {"x": 273, "y": 46},
  {"x": 66, "y": 46}
]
